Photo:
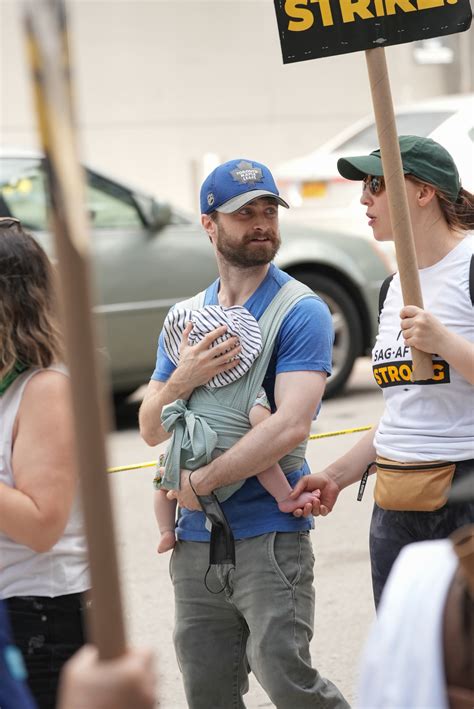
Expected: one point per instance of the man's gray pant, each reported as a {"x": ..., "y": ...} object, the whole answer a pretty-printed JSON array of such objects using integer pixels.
[{"x": 262, "y": 622}]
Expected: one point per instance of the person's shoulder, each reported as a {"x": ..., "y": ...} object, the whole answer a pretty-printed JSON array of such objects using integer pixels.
[
  {"x": 469, "y": 244},
  {"x": 311, "y": 305},
  {"x": 281, "y": 278},
  {"x": 45, "y": 401},
  {"x": 45, "y": 383}
]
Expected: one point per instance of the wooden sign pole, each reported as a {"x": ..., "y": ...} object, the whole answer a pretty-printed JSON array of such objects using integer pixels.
[
  {"x": 46, "y": 36},
  {"x": 397, "y": 196}
]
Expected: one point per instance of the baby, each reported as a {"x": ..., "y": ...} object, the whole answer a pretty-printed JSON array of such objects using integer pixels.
[{"x": 241, "y": 324}]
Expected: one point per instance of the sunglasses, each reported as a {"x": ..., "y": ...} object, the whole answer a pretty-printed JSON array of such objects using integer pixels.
[
  {"x": 8, "y": 222},
  {"x": 374, "y": 183}
]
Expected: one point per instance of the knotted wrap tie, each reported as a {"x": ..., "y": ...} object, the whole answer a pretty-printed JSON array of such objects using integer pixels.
[{"x": 192, "y": 436}]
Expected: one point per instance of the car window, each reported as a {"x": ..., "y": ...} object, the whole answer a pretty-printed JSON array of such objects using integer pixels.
[
  {"x": 110, "y": 205},
  {"x": 416, "y": 123},
  {"x": 22, "y": 192}
]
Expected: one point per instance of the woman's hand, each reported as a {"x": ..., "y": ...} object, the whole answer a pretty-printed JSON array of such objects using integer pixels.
[
  {"x": 322, "y": 505},
  {"x": 423, "y": 330}
]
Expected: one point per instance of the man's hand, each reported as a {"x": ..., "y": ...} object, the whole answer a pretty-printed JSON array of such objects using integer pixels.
[
  {"x": 200, "y": 362},
  {"x": 185, "y": 495},
  {"x": 329, "y": 490}
]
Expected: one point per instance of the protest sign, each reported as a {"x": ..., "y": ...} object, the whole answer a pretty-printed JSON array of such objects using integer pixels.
[{"x": 311, "y": 29}]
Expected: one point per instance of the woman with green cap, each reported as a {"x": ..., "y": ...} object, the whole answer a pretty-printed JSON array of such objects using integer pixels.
[{"x": 425, "y": 436}]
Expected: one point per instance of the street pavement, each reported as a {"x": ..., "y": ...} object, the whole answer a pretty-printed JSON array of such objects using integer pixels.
[{"x": 344, "y": 607}]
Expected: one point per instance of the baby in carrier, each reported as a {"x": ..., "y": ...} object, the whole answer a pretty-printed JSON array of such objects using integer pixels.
[{"x": 241, "y": 324}]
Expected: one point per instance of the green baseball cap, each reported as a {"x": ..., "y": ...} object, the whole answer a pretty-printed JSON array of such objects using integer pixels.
[{"x": 421, "y": 157}]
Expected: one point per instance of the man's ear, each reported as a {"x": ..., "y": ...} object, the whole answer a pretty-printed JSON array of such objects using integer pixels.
[{"x": 209, "y": 225}]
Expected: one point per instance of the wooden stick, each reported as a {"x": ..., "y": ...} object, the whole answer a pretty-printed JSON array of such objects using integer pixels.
[
  {"x": 397, "y": 196},
  {"x": 46, "y": 35},
  {"x": 463, "y": 543}
]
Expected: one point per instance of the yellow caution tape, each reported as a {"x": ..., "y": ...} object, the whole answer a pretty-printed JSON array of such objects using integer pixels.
[
  {"x": 338, "y": 433},
  {"x": 314, "y": 436},
  {"x": 135, "y": 466}
]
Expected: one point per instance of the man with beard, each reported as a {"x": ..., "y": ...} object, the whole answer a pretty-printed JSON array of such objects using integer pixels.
[{"x": 263, "y": 621}]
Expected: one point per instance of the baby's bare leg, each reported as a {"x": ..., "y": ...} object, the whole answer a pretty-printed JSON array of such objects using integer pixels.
[
  {"x": 165, "y": 513},
  {"x": 274, "y": 479},
  {"x": 275, "y": 482}
]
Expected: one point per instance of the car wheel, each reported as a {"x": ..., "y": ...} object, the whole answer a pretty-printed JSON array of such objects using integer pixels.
[{"x": 346, "y": 323}]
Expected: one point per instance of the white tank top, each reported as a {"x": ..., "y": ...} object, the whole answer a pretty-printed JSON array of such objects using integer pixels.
[{"x": 63, "y": 569}]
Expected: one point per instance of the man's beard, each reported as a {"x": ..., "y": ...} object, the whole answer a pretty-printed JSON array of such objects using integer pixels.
[{"x": 246, "y": 254}]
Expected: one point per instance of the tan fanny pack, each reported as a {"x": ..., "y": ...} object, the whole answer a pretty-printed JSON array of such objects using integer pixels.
[{"x": 418, "y": 487}]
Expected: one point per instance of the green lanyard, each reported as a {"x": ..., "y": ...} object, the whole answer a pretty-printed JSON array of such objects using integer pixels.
[{"x": 9, "y": 378}]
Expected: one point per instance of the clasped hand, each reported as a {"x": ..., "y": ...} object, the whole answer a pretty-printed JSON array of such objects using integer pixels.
[
  {"x": 185, "y": 495},
  {"x": 322, "y": 505}
]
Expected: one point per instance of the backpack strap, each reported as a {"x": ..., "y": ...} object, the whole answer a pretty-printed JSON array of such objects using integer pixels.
[
  {"x": 195, "y": 302},
  {"x": 383, "y": 292},
  {"x": 245, "y": 390}
]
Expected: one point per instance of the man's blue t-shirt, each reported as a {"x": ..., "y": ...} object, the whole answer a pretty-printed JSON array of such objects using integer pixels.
[{"x": 304, "y": 343}]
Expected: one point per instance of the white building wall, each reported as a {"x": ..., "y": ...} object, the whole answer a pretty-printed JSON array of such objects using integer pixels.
[{"x": 162, "y": 83}]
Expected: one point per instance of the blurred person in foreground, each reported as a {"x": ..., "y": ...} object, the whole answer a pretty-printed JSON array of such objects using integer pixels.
[
  {"x": 263, "y": 619},
  {"x": 43, "y": 553},
  {"x": 424, "y": 439},
  {"x": 420, "y": 651},
  {"x": 86, "y": 681}
]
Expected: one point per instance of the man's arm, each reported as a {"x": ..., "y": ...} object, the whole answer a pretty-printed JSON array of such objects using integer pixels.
[
  {"x": 297, "y": 396},
  {"x": 197, "y": 364}
]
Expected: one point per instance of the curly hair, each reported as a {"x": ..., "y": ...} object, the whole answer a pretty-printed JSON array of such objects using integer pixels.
[{"x": 29, "y": 332}]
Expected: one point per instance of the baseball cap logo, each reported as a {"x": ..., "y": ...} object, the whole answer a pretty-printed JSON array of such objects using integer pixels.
[
  {"x": 210, "y": 199},
  {"x": 245, "y": 173}
]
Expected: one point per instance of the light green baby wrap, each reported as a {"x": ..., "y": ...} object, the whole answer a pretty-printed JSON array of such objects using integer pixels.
[{"x": 213, "y": 420}]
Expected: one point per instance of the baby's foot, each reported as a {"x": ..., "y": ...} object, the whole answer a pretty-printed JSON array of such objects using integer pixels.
[
  {"x": 290, "y": 505},
  {"x": 159, "y": 474},
  {"x": 167, "y": 542}
]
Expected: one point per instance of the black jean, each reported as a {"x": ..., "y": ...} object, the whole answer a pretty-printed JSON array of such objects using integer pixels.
[
  {"x": 47, "y": 631},
  {"x": 391, "y": 530}
]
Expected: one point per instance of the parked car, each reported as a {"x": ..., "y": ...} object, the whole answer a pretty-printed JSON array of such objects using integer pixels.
[
  {"x": 148, "y": 255},
  {"x": 316, "y": 191}
]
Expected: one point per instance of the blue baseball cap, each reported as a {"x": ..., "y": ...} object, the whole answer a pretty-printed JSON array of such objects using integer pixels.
[{"x": 233, "y": 184}]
